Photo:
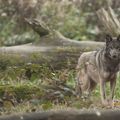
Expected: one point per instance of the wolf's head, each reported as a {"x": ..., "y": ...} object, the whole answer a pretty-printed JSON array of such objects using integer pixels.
[{"x": 113, "y": 47}]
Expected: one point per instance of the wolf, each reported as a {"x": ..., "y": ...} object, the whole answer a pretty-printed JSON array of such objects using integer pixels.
[{"x": 99, "y": 66}]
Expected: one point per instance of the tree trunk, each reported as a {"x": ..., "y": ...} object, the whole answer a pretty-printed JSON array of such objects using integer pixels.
[
  {"x": 67, "y": 115},
  {"x": 109, "y": 21}
]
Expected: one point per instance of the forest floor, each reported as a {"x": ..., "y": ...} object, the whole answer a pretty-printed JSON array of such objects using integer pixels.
[{"x": 22, "y": 92}]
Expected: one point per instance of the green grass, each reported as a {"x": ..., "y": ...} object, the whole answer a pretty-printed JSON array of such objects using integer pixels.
[{"x": 55, "y": 90}]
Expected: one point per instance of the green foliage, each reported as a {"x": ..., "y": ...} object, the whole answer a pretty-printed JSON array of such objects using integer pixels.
[
  {"x": 6, "y": 28},
  {"x": 74, "y": 19},
  {"x": 70, "y": 21},
  {"x": 19, "y": 39},
  {"x": 46, "y": 106},
  {"x": 65, "y": 16}
]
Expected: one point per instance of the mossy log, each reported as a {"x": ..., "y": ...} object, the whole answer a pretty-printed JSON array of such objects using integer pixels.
[
  {"x": 53, "y": 49},
  {"x": 57, "y": 56},
  {"x": 67, "y": 115}
]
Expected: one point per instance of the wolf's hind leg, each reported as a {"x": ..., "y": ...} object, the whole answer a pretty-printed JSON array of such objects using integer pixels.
[
  {"x": 92, "y": 85},
  {"x": 83, "y": 84},
  {"x": 86, "y": 87}
]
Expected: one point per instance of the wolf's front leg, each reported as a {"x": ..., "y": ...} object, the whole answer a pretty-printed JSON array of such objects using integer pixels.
[
  {"x": 103, "y": 92},
  {"x": 112, "y": 88}
]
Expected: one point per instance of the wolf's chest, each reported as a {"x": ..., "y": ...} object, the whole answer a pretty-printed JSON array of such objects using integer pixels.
[{"x": 108, "y": 75}]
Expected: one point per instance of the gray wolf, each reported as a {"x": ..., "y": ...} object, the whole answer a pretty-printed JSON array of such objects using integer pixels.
[{"x": 99, "y": 67}]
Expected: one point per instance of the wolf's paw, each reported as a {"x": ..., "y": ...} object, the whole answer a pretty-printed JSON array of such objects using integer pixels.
[{"x": 105, "y": 103}]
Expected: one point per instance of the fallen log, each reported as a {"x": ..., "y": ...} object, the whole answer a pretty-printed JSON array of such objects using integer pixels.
[
  {"x": 67, "y": 115},
  {"x": 53, "y": 49},
  {"x": 55, "y": 56}
]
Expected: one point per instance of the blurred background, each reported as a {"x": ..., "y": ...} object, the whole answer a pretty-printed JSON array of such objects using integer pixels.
[
  {"x": 29, "y": 86},
  {"x": 75, "y": 19}
]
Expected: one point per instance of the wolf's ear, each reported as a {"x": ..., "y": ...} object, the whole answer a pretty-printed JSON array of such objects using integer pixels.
[
  {"x": 108, "y": 39},
  {"x": 118, "y": 38}
]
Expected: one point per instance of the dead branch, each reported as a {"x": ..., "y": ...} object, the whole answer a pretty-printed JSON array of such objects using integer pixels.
[{"x": 109, "y": 20}]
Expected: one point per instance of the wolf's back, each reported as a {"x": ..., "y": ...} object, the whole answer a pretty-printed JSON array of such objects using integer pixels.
[{"x": 84, "y": 59}]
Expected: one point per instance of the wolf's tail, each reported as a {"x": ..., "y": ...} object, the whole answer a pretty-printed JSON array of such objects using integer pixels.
[{"x": 78, "y": 85}]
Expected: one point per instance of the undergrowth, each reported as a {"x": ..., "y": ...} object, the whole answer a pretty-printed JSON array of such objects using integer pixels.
[{"x": 43, "y": 90}]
